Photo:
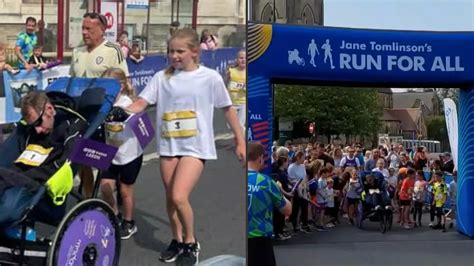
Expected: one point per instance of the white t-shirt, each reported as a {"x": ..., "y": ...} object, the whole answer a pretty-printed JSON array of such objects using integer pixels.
[
  {"x": 392, "y": 180},
  {"x": 330, "y": 197},
  {"x": 185, "y": 111},
  {"x": 296, "y": 172},
  {"x": 120, "y": 135},
  {"x": 321, "y": 192}
]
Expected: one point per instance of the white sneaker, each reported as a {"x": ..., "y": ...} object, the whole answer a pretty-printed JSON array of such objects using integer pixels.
[
  {"x": 406, "y": 226},
  {"x": 330, "y": 225}
]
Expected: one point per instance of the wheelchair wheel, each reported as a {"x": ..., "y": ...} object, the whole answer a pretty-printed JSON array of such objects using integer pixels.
[
  {"x": 383, "y": 223},
  {"x": 359, "y": 214},
  {"x": 389, "y": 220},
  {"x": 88, "y": 235}
]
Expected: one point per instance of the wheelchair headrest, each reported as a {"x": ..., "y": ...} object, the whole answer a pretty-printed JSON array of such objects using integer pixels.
[
  {"x": 378, "y": 176},
  {"x": 90, "y": 102},
  {"x": 91, "y": 98}
]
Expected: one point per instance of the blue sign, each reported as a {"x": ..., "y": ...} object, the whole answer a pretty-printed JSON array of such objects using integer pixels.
[
  {"x": 142, "y": 72},
  {"x": 356, "y": 57},
  {"x": 14, "y": 88}
]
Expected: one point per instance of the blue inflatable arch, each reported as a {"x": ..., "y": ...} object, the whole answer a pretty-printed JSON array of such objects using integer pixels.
[{"x": 359, "y": 57}]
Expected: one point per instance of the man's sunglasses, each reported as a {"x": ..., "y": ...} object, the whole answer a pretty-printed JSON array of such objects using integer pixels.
[
  {"x": 39, "y": 121},
  {"x": 93, "y": 15}
]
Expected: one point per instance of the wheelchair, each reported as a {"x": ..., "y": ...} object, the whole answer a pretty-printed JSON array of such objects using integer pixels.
[
  {"x": 87, "y": 234},
  {"x": 364, "y": 211}
]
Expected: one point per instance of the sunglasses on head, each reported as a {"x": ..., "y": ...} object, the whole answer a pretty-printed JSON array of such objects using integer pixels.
[
  {"x": 93, "y": 15},
  {"x": 39, "y": 121}
]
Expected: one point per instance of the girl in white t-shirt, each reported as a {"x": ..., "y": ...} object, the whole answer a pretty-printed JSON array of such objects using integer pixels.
[
  {"x": 186, "y": 94},
  {"x": 127, "y": 162}
]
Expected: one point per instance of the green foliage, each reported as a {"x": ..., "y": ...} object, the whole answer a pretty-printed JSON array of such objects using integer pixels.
[
  {"x": 336, "y": 110},
  {"x": 437, "y": 129}
]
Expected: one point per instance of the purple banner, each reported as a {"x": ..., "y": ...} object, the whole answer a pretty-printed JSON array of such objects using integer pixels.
[
  {"x": 93, "y": 153},
  {"x": 142, "y": 127}
]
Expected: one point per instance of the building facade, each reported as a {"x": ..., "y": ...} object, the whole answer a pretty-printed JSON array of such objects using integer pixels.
[
  {"x": 226, "y": 19},
  {"x": 306, "y": 12}
]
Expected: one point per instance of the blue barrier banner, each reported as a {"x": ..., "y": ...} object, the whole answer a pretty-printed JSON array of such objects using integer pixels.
[
  {"x": 15, "y": 87},
  {"x": 142, "y": 72}
]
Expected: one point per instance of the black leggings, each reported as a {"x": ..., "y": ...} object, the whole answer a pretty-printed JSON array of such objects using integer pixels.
[
  {"x": 299, "y": 204},
  {"x": 278, "y": 222},
  {"x": 418, "y": 210},
  {"x": 260, "y": 252}
]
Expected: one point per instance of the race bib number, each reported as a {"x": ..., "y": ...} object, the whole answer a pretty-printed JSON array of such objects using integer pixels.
[
  {"x": 180, "y": 124},
  {"x": 33, "y": 155},
  {"x": 236, "y": 86}
]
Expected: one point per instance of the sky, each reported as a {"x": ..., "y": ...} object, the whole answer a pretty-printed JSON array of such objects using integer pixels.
[{"x": 430, "y": 15}]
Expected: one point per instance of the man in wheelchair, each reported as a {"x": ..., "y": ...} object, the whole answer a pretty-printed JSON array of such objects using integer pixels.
[
  {"x": 376, "y": 194},
  {"x": 34, "y": 153}
]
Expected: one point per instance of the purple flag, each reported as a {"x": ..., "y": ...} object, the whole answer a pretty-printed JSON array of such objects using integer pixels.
[
  {"x": 93, "y": 153},
  {"x": 142, "y": 127}
]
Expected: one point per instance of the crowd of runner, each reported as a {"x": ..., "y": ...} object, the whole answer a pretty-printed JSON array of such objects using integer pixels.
[{"x": 322, "y": 183}]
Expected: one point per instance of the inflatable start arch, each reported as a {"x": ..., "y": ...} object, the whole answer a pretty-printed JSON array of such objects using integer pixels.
[{"x": 375, "y": 58}]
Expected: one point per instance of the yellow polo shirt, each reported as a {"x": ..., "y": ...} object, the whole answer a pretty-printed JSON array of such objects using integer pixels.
[{"x": 94, "y": 63}]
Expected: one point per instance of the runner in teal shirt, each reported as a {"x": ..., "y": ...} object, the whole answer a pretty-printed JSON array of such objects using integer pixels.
[{"x": 263, "y": 196}]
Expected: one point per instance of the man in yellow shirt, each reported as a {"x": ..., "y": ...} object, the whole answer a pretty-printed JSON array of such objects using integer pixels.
[{"x": 97, "y": 54}]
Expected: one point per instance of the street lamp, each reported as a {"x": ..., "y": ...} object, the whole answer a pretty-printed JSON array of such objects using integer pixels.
[{"x": 274, "y": 11}]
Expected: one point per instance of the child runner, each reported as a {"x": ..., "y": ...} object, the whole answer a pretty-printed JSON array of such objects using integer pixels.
[
  {"x": 186, "y": 94},
  {"x": 419, "y": 196},
  {"x": 439, "y": 199},
  {"x": 331, "y": 209},
  {"x": 127, "y": 162},
  {"x": 235, "y": 79},
  {"x": 352, "y": 195},
  {"x": 406, "y": 192},
  {"x": 453, "y": 189}
]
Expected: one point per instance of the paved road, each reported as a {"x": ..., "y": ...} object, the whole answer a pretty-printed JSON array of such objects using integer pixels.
[
  {"x": 347, "y": 245},
  {"x": 218, "y": 201}
]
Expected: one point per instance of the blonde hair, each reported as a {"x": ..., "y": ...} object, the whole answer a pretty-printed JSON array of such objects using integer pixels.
[
  {"x": 127, "y": 87},
  {"x": 236, "y": 64},
  {"x": 192, "y": 40}
]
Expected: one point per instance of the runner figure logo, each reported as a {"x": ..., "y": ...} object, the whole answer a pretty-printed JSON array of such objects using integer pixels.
[
  {"x": 99, "y": 60},
  {"x": 294, "y": 55},
  {"x": 312, "y": 50},
  {"x": 327, "y": 52}
]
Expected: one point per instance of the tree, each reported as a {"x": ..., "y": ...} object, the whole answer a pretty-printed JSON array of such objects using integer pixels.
[{"x": 336, "y": 110}]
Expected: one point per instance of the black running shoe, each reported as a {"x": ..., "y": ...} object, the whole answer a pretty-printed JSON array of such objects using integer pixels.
[
  {"x": 190, "y": 255},
  {"x": 127, "y": 229},
  {"x": 171, "y": 253}
]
